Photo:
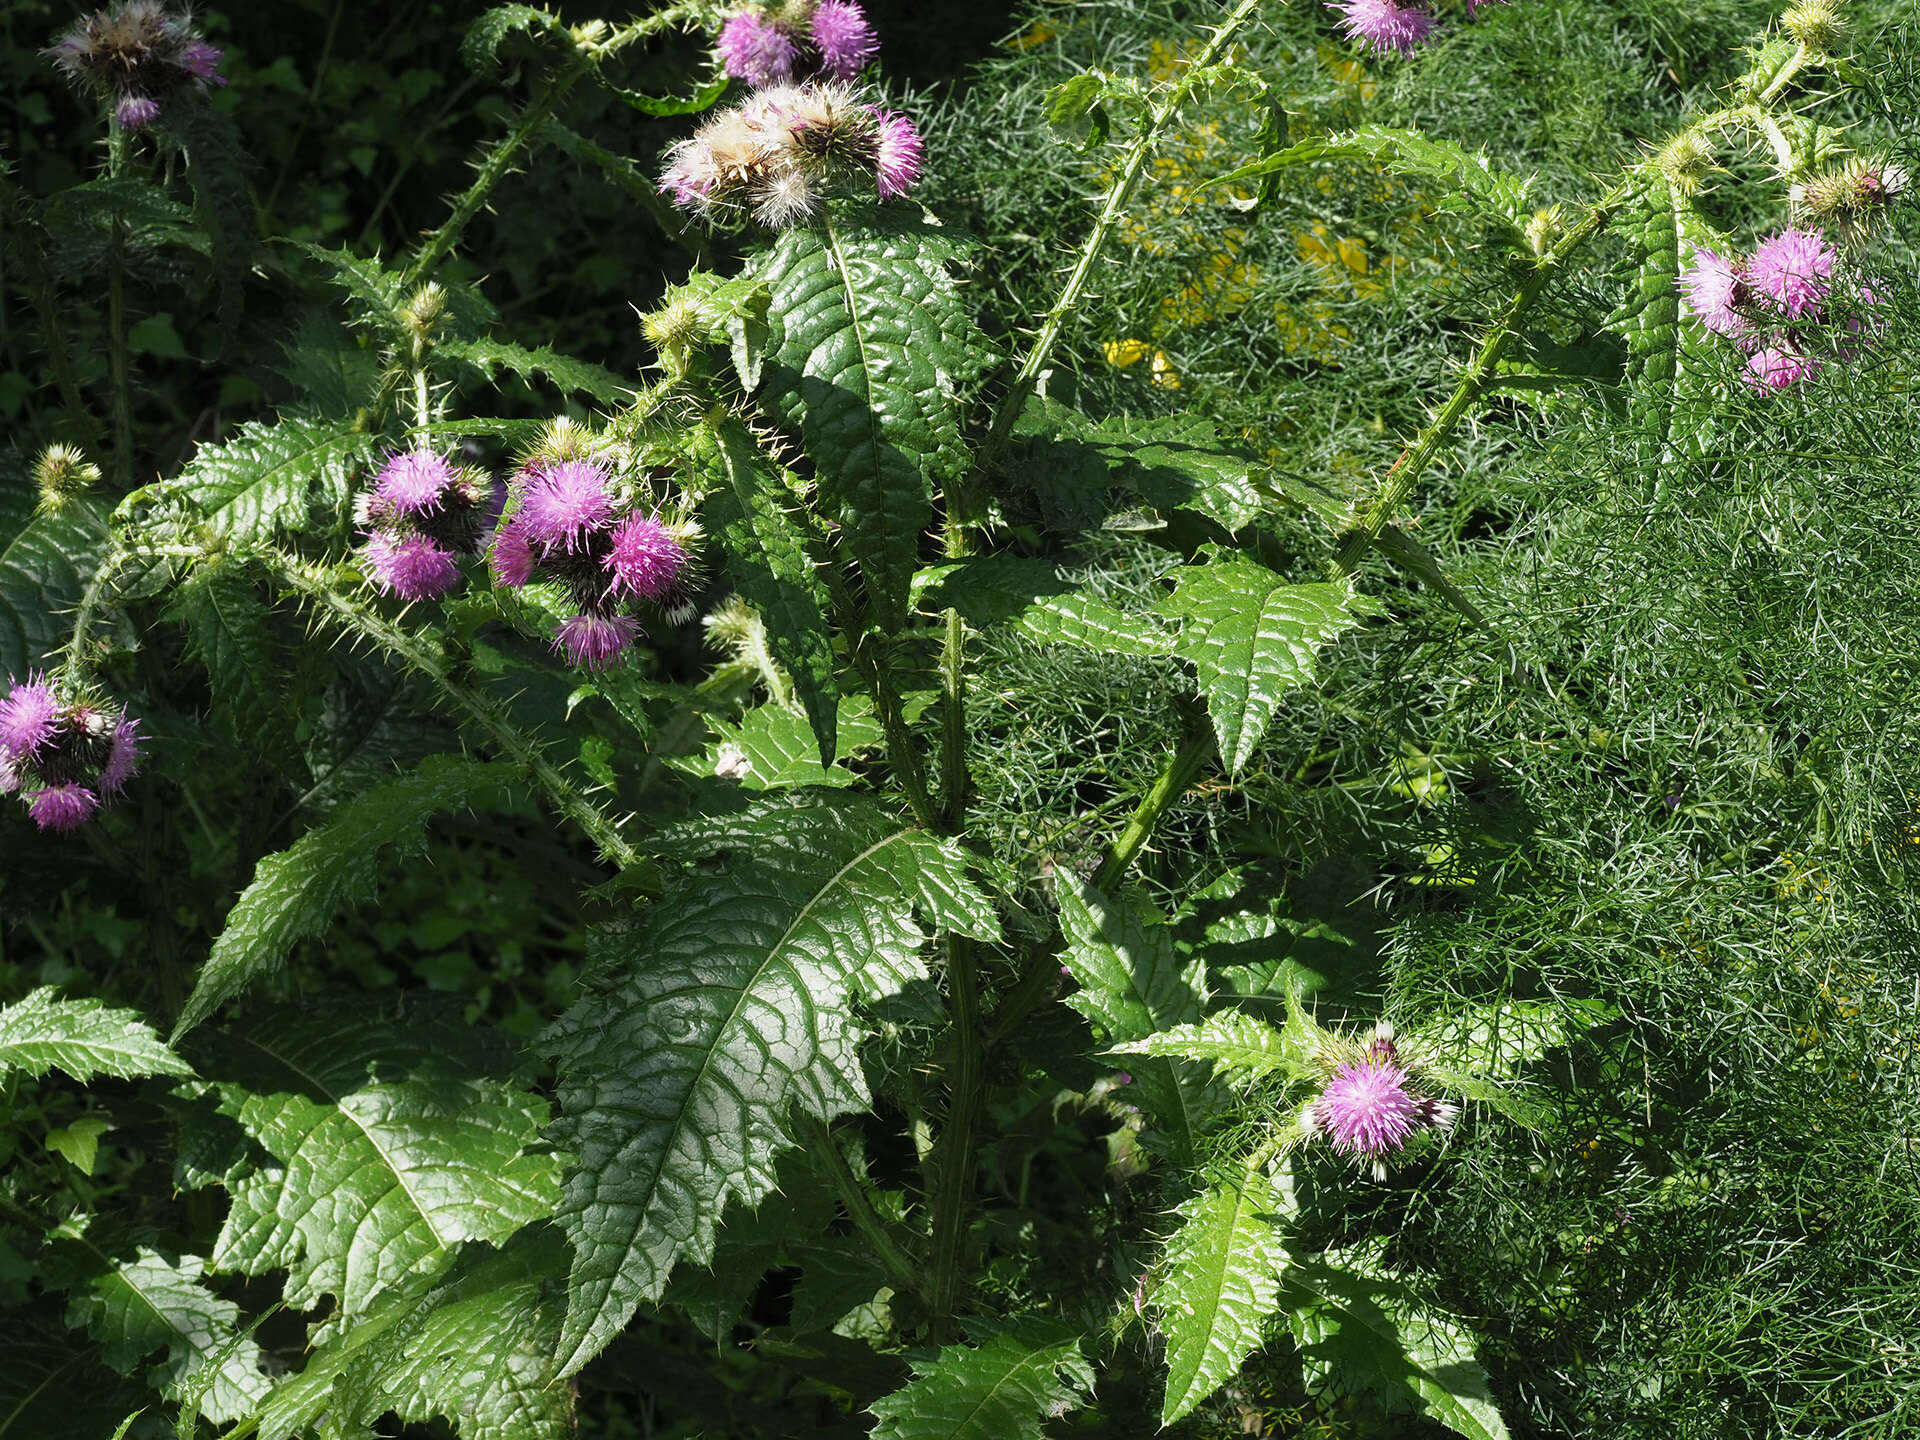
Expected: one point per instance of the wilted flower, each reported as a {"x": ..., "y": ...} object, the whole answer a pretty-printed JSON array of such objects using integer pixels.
[
  {"x": 63, "y": 754},
  {"x": 136, "y": 57},
  {"x": 1371, "y": 1107}
]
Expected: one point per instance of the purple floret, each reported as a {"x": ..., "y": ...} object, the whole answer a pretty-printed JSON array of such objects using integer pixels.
[
  {"x": 1383, "y": 25},
  {"x": 62, "y": 807},
  {"x": 1792, "y": 269},
  {"x": 28, "y": 718},
  {"x": 1711, "y": 288},
  {"x": 123, "y": 758},
  {"x": 900, "y": 154},
  {"x": 565, "y": 503},
  {"x": 511, "y": 556},
  {"x": 596, "y": 642},
  {"x": 135, "y": 112},
  {"x": 413, "y": 482},
  {"x": 645, "y": 560},
  {"x": 411, "y": 566},
  {"x": 843, "y": 37},
  {"x": 752, "y": 48}
]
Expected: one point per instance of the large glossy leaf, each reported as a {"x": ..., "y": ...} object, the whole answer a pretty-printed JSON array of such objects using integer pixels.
[
  {"x": 1364, "y": 1328},
  {"x": 1669, "y": 364},
  {"x": 869, "y": 354},
  {"x": 724, "y": 1005},
  {"x": 142, "y": 1302},
  {"x": 1223, "y": 1269},
  {"x": 379, "y": 1162},
  {"x": 44, "y": 569},
  {"x": 82, "y": 1037},
  {"x": 1006, "y": 1388},
  {"x": 294, "y": 894},
  {"x": 264, "y": 479},
  {"x": 747, "y": 507},
  {"x": 1251, "y": 636},
  {"x": 1133, "y": 984}
]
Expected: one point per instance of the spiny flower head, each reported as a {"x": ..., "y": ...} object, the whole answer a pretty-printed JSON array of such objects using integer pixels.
[
  {"x": 898, "y": 156},
  {"x": 843, "y": 38},
  {"x": 410, "y": 566},
  {"x": 564, "y": 503},
  {"x": 421, "y": 514},
  {"x": 752, "y": 48},
  {"x": 413, "y": 482},
  {"x": 1370, "y": 1107},
  {"x": 1848, "y": 198},
  {"x": 646, "y": 559},
  {"x": 1383, "y": 25},
  {"x": 62, "y": 751},
  {"x": 1772, "y": 368},
  {"x": 596, "y": 642},
  {"x": 136, "y": 56},
  {"x": 61, "y": 473},
  {"x": 1716, "y": 293},
  {"x": 1792, "y": 270},
  {"x": 800, "y": 40}
]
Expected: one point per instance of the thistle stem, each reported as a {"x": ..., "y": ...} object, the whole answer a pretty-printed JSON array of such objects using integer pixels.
[
  {"x": 950, "y": 1166},
  {"x": 901, "y": 1268},
  {"x": 119, "y": 400}
]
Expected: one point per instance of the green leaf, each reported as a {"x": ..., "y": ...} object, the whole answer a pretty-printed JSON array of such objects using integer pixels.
[
  {"x": 294, "y": 894},
  {"x": 1251, "y": 636},
  {"x": 1180, "y": 462},
  {"x": 44, "y": 571},
  {"x": 773, "y": 747},
  {"x": 375, "y": 1179},
  {"x": 481, "y": 46},
  {"x": 229, "y": 634},
  {"x": 666, "y": 105},
  {"x": 377, "y": 295},
  {"x": 492, "y": 356},
  {"x": 81, "y": 221},
  {"x": 1234, "y": 1041},
  {"x": 869, "y": 356},
  {"x": 1669, "y": 368},
  {"x": 53, "y": 1381},
  {"x": 1032, "y": 597},
  {"x": 209, "y": 140},
  {"x": 1361, "y": 1328},
  {"x": 79, "y": 1143},
  {"x": 82, "y": 1037},
  {"x": 265, "y": 479},
  {"x": 136, "y": 1306},
  {"x": 1223, "y": 1269},
  {"x": 747, "y": 510},
  {"x": 1074, "y": 106},
  {"x": 723, "y": 1005},
  {"x": 334, "y": 374},
  {"x": 1133, "y": 984},
  {"x": 1007, "y": 1388}
]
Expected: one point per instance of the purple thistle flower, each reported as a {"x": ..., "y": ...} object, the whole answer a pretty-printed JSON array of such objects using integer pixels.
[
  {"x": 843, "y": 37},
  {"x": 565, "y": 503},
  {"x": 201, "y": 60},
  {"x": 511, "y": 557},
  {"x": 413, "y": 482},
  {"x": 28, "y": 718},
  {"x": 1383, "y": 25},
  {"x": 62, "y": 807},
  {"x": 752, "y": 48},
  {"x": 135, "y": 112},
  {"x": 596, "y": 642},
  {"x": 1368, "y": 1110},
  {"x": 645, "y": 560},
  {"x": 123, "y": 758},
  {"x": 410, "y": 566},
  {"x": 1711, "y": 288},
  {"x": 1792, "y": 269},
  {"x": 898, "y": 155},
  {"x": 1771, "y": 369}
]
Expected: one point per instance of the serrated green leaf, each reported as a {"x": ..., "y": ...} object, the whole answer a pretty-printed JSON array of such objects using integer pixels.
[
  {"x": 1180, "y": 462},
  {"x": 663, "y": 106},
  {"x": 208, "y": 139},
  {"x": 265, "y": 479},
  {"x": 229, "y": 634},
  {"x": 44, "y": 570},
  {"x": 773, "y": 747},
  {"x": 79, "y": 1143},
  {"x": 294, "y": 894},
  {"x": 1006, "y": 1388},
  {"x": 481, "y": 45},
  {"x": 1234, "y": 1041},
  {"x": 379, "y": 1179},
  {"x": 377, "y": 295},
  {"x": 768, "y": 562},
  {"x": 1223, "y": 1268},
  {"x": 726, "y": 1003},
  {"x": 869, "y": 355},
  {"x": 332, "y": 373},
  {"x": 82, "y": 220},
  {"x": 1368, "y": 1329},
  {"x": 1251, "y": 636},
  {"x": 136, "y": 1306},
  {"x": 1032, "y": 597},
  {"x": 1133, "y": 984},
  {"x": 83, "y": 1038},
  {"x": 1668, "y": 365},
  {"x": 492, "y": 356}
]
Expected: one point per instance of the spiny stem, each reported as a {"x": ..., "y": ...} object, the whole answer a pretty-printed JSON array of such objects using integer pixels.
[
  {"x": 1111, "y": 211},
  {"x": 950, "y": 1167},
  {"x": 119, "y": 400},
  {"x": 903, "y": 752},
  {"x": 901, "y": 1268},
  {"x": 1183, "y": 763},
  {"x": 522, "y": 749}
]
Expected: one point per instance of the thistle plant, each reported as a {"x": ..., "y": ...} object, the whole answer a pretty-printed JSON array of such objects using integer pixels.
[{"x": 1040, "y": 730}]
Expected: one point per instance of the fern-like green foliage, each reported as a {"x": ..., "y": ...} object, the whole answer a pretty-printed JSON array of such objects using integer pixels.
[
  {"x": 44, "y": 570},
  {"x": 1222, "y": 1279},
  {"x": 723, "y": 1005},
  {"x": 870, "y": 354},
  {"x": 82, "y": 1038},
  {"x": 295, "y": 893},
  {"x": 367, "y": 1155},
  {"x": 140, "y": 1301},
  {"x": 1134, "y": 983},
  {"x": 1005, "y": 1388},
  {"x": 266, "y": 479},
  {"x": 1251, "y": 636},
  {"x": 1359, "y": 1328}
]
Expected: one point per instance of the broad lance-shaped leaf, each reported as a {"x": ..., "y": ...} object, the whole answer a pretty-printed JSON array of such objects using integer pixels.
[
  {"x": 265, "y": 479},
  {"x": 44, "y": 570},
  {"x": 768, "y": 563},
  {"x": 1251, "y": 636},
  {"x": 1005, "y": 1389},
  {"x": 1133, "y": 984},
  {"x": 725, "y": 1004},
  {"x": 475, "y": 1348},
  {"x": 294, "y": 894},
  {"x": 136, "y": 1306},
  {"x": 869, "y": 355},
  {"x": 1234, "y": 1041},
  {"x": 1359, "y": 1328},
  {"x": 82, "y": 1037},
  {"x": 1223, "y": 1270},
  {"x": 1668, "y": 361},
  {"x": 372, "y": 1180}
]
